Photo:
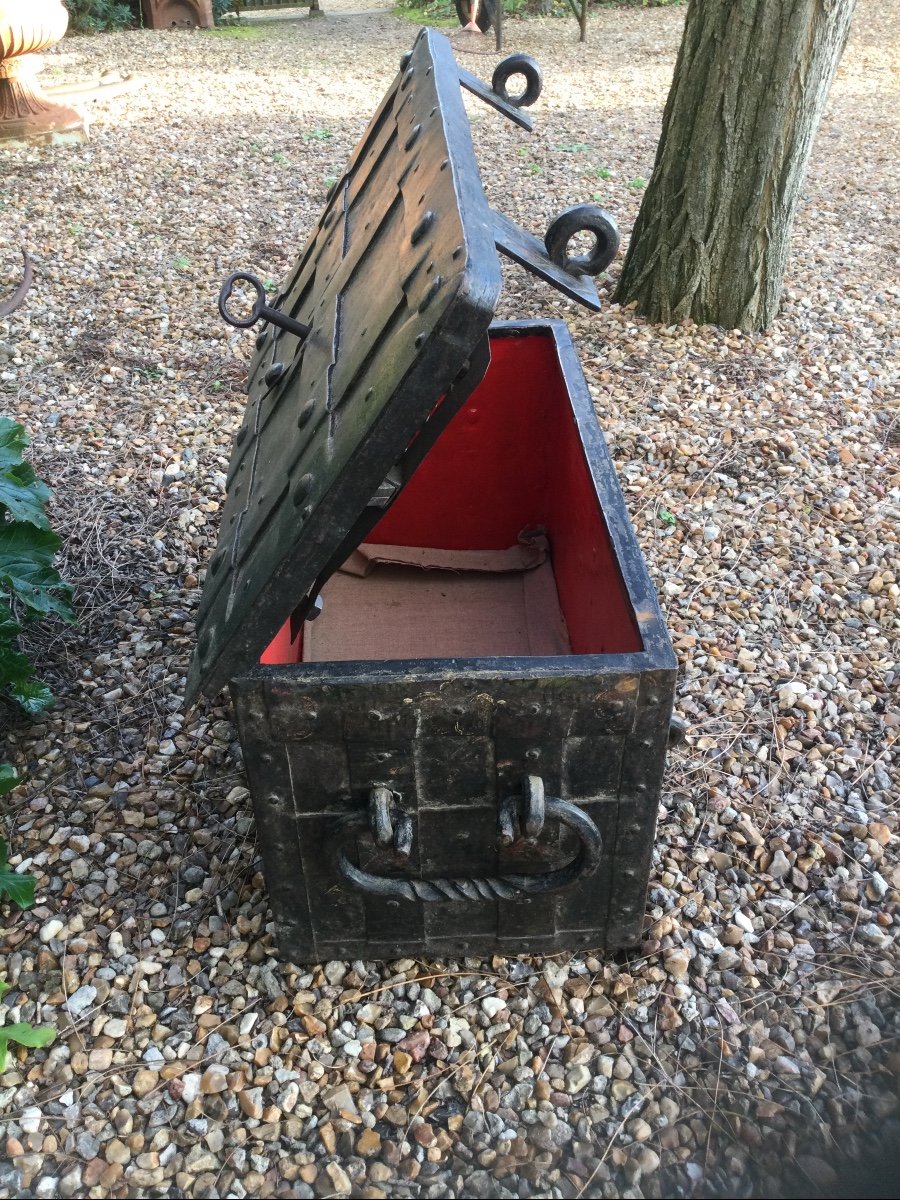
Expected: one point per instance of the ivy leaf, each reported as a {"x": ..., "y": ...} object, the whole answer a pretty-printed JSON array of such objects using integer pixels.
[
  {"x": 23, "y": 494},
  {"x": 26, "y": 569},
  {"x": 15, "y": 668},
  {"x": 32, "y": 695},
  {"x": 9, "y": 626},
  {"x": 23, "y": 1034},
  {"x": 9, "y": 778},
  {"x": 19, "y": 888},
  {"x": 13, "y": 440}
]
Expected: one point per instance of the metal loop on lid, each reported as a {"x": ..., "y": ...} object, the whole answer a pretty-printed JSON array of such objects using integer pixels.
[{"x": 583, "y": 218}]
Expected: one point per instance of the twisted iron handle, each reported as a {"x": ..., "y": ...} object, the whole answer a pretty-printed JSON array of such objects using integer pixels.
[{"x": 485, "y": 887}]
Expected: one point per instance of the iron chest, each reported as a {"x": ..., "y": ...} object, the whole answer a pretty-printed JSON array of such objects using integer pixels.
[{"x": 451, "y": 677}]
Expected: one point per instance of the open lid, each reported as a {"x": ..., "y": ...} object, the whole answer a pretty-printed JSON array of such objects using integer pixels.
[{"x": 374, "y": 342}]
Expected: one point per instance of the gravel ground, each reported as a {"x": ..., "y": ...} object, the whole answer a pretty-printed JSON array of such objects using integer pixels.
[{"x": 751, "y": 1047}]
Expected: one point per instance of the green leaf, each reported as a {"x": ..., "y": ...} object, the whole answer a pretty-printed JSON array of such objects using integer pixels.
[
  {"x": 26, "y": 569},
  {"x": 19, "y": 888},
  {"x": 4, "y": 988},
  {"x": 9, "y": 778},
  {"x": 15, "y": 669},
  {"x": 9, "y": 626},
  {"x": 573, "y": 147},
  {"x": 23, "y": 495},
  {"x": 33, "y": 696},
  {"x": 13, "y": 440},
  {"x": 24, "y": 1034},
  {"x": 667, "y": 518}
]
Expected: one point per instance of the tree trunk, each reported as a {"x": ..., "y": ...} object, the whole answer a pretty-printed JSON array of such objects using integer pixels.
[{"x": 712, "y": 236}]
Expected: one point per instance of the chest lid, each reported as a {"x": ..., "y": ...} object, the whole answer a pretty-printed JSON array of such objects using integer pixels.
[
  {"x": 376, "y": 339},
  {"x": 397, "y": 286}
]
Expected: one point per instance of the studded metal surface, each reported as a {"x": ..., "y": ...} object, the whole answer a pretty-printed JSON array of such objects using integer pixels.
[
  {"x": 449, "y": 741},
  {"x": 398, "y": 283}
]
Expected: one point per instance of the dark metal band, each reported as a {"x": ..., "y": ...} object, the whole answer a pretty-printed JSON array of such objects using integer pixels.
[{"x": 486, "y": 887}]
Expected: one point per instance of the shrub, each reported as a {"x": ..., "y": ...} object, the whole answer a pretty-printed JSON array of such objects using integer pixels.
[
  {"x": 93, "y": 16},
  {"x": 30, "y": 586}
]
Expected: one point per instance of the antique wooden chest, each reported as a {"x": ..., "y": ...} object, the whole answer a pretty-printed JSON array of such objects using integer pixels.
[{"x": 462, "y": 752}]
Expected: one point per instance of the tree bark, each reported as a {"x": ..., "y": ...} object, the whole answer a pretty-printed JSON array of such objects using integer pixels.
[{"x": 712, "y": 236}]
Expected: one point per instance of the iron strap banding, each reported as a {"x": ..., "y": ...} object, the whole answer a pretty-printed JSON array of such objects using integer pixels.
[{"x": 487, "y": 887}]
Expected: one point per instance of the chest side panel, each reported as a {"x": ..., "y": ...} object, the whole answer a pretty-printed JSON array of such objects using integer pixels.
[{"x": 449, "y": 754}]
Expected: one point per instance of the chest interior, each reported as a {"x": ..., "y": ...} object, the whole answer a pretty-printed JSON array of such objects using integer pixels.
[{"x": 497, "y": 545}]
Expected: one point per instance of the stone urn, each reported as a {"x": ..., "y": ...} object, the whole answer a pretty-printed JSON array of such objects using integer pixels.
[{"x": 27, "y": 114}]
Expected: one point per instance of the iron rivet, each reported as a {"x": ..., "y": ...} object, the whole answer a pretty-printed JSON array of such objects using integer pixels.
[
  {"x": 432, "y": 292},
  {"x": 532, "y": 755},
  {"x": 301, "y": 488},
  {"x": 534, "y": 709},
  {"x": 369, "y": 394},
  {"x": 413, "y": 137},
  {"x": 420, "y": 341},
  {"x": 274, "y": 372},
  {"x": 241, "y": 436},
  {"x": 307, "y": 512},
  {"x": 424, "y": 223},
  {"x": 374, "y": 715},
  {"x": 261, "y": 339},
  {"x": 405, "y": 60},
  {"x": 266, "y": 758},
  {"x": 329, "y": 216},
  {"x": 305, "y": 413},
  {"x": 647, "y": 742},
  {"x": 407, "y": 79},
  {"x": 458, "y": 252}
]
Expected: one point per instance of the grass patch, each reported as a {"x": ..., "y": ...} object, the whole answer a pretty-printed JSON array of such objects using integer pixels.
[
  {"x": 246, "y": 33},
  {"x": 437, "y": 13}
]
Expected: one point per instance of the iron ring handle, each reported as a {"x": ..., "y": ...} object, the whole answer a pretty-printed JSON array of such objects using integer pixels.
[
  {"x": 583, "y": 218},
  {"x": 518, "y": 64},
  {"x": 258, "y": 304},
  {"x": 485, "y": 887},
  {"x": 260, "y": 309}
]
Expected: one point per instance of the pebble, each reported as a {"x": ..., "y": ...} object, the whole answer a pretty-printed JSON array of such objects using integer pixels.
[
  {"x": 780, "y": 865},
  {"x": 31, "y": 1119},
  {"x": 81, "y": 1000},
  {"x": 577, "y": 1078},
  {"x": 51, "y": 929}
]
